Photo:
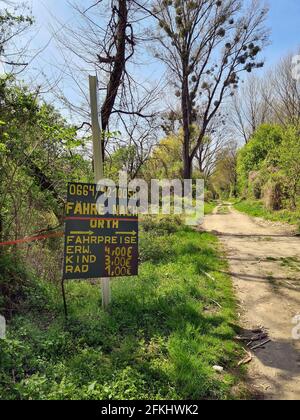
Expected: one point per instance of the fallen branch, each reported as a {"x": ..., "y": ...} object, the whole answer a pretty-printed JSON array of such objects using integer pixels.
[
  {"x": 261, "y": 345},
  {"x": 259, "y": 334},
  {"x": 246, "y": 360}
]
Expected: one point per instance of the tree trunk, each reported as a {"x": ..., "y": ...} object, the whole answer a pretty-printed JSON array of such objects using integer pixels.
[
  {"x": 186, "y": 112},
  {"x": 200, "y": 160},
  {"x": 117, "y": 73},
  {"x": 188, "y": 169}
]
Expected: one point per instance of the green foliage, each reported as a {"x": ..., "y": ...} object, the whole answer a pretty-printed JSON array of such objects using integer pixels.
[
  {"x": 11, "y": 26},
  {"x": 20, "y": 291},
  {"x": 13, "y": 283},
  {"x": 209, "y": 207},
  {"x": 257, "y": 209},
  {"x": 124, "y": 158},
  {"x": 257, "y": 152},
  {"x": 289, "y": 158},
  {"x": 10, "y": 19},
  {"x": 155, "y": 249},
  {"x": 161, "y": 225},
  {"x": 166, "y": 159},
  {"x": 160, "y": 339},
  {"x": 39, "y": 153},
  {"x": 155, "y": 241},
  {"x": 224, "y": 177},
  {"x": 268, "y": 166}
]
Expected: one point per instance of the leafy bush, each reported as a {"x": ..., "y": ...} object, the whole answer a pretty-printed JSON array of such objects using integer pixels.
[
  {"x": 13, "y": 283},
  {"x": 21, "y": 291},
  {"x": 157, "y": 239},
  {"x": 155, "y": 248},
  {"x": 209, "y": 207},
  {"x": 289, "y": 159},
  {"x": 257, "y": 152},
  {"x": 273, "y": 192},
  {"x": 162, "y": 225},
  {"x": 269, "y": 167}
]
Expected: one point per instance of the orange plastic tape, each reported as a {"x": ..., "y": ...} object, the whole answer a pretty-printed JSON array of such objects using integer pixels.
[{"x": 33, "y": 239}]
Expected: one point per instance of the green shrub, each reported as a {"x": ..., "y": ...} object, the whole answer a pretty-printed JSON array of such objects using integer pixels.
[
  {"x": 13, "y": 283},
  {"x": 209, "y": 196},
  {"x": 257, "y": 152},
  {"x": 162, "y": 225},
  {"x": 209, "y": 207},
  {"x": 154, "y": 248},
  {"x": 268, "y": 167}
]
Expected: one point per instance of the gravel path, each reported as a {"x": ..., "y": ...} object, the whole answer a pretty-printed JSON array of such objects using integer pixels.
[{"x": 264, "y": 263}]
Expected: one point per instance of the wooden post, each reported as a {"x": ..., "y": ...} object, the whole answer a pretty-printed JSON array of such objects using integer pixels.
[
  {"x": 97, "y": 137},
  {"x": 98, "y": 164}
]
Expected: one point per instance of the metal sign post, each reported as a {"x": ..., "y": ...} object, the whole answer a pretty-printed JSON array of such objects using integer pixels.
[{"x": 98, "y": 165}]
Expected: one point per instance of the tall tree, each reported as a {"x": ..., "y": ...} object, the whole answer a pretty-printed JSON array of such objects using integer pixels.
[
  {"x": 250, "y": 108},
  {"x": 284, "y": 100},
  {"x": 206, "y": 45},
  {"x": 107, "y": 38},
  {"x": 274, "y": 98},
  {"x": 224, "y": 176},
  {"x": 13, "y": 25},
  {"x": 39, "y": 152}
]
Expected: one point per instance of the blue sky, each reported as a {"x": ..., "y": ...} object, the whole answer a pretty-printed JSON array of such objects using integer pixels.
[{"x": 284, "y": 22}]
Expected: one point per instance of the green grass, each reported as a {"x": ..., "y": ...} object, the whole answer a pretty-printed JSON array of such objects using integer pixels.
[
  {"x": 257, "y": 209},
  {"x": 292, "y": 263},
  {"x": 209, "y": 207},
  {"x": 160, "y": 340}
]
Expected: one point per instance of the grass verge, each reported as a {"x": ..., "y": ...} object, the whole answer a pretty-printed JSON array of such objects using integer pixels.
[
  {"x": 257, "y": 209},
  {"x": 164, "y": 332},
  {"x": 209, "y": 207}
]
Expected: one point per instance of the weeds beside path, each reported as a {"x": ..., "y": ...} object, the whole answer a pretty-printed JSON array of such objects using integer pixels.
[
  {"x": 164, "y": 332},
  {"x": 257, "y": 209}
]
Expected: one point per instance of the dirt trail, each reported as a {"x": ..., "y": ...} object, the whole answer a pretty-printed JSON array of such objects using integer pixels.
[{"x": 264, "y": 263}]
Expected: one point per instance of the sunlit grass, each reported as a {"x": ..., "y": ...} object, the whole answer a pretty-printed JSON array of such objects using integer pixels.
[
  {"x": 257, "y": 209},
  {"x": 164, "y": 332}
]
